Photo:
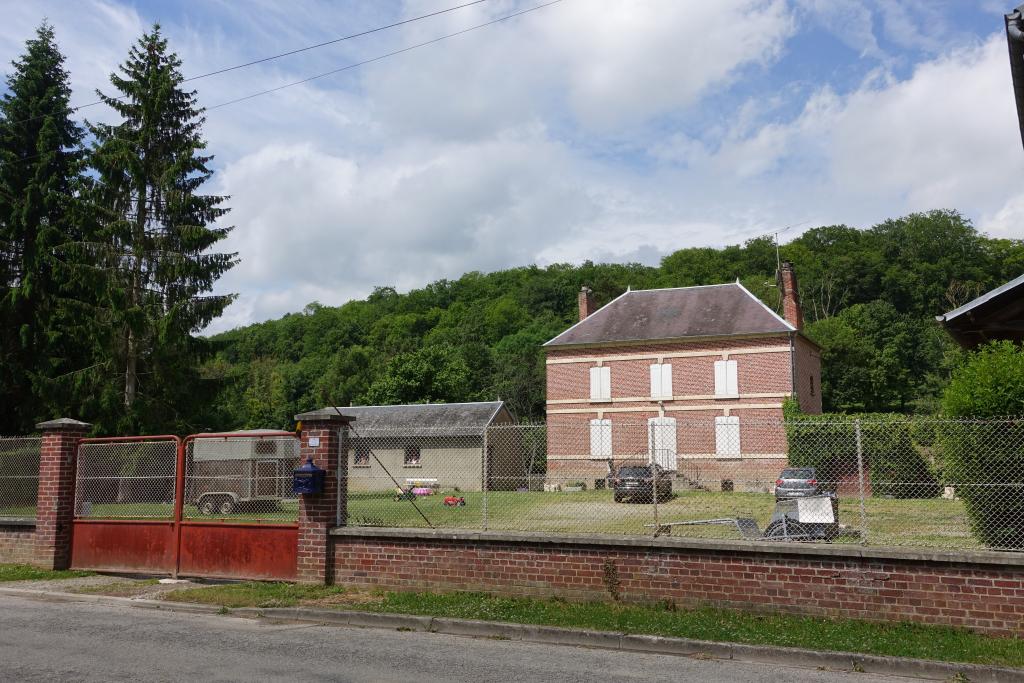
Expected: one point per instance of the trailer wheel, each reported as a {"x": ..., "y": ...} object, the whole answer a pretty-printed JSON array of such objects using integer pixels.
[
  {"x": 226, "y": 506},
  {"x": 208, "y": 505},
  {"x": 787, "y": 531}
]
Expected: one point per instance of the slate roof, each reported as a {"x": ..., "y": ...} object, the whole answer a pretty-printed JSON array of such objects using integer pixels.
[
  {"x": 442, "y": 419},
  {"x": 679, "y": 313}
]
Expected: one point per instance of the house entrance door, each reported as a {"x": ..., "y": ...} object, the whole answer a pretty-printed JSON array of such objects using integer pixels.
[{"x": 661, "y": 441}]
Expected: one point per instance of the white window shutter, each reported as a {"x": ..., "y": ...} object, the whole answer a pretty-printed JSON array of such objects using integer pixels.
[
  {"x": 666, "y": 380},
  {"x": 727, "y": 437},
  {"x": 595, "y": 382},
  {"x": 606, "y": 382},
  {"x": 721, "y": 378},
  {"x": 732, "y": 384},
  {"x": 600, "y": 438},
  {"x": 656, "y": 380}
]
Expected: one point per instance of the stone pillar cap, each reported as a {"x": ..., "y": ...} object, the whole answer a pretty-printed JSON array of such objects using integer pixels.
[
  {"x": 63, "y": 423},
  {"x": 325, "y": 415}
]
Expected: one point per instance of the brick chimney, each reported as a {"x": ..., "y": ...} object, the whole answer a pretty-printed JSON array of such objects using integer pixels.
[
  {"x": 586, "y": 301},
  {"x": 790, "y": 296}
]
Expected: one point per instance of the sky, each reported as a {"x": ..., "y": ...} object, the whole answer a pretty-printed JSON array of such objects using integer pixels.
[{"x": 609, "y": 130}]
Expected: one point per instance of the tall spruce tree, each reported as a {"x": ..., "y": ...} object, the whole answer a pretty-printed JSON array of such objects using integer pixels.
[
  {"x": 40, "y": 168},
  {"x": 156, "y": 232}
]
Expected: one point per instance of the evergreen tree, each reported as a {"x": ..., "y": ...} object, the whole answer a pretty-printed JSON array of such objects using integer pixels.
[
  {"x": 40, "y": 163},
  {"x": 156, "y": 233}
]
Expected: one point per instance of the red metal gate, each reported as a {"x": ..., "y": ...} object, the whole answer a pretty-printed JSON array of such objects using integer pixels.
[{"x": 202, "y": 506}]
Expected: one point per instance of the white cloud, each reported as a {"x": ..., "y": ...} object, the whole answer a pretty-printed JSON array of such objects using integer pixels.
[
  {"x": 577, "y": 131},
  {"x": 944, "y": 137},
  {"x": 615, "y": 62}
]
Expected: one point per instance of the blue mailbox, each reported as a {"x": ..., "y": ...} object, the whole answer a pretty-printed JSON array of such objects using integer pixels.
[{"x": 308, "y": 478}]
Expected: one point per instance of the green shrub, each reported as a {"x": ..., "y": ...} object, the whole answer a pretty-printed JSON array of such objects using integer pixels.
[
  {"x": 891, "y": 458},
  {"x": 984, "y": 459}
]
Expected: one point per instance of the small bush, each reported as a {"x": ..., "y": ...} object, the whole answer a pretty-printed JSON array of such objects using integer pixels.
[{"x": 984, "y": 460}]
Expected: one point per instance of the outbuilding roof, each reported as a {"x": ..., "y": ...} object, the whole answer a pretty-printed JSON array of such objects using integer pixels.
[
  {"x": 677, "y": 313},
  {"x": 998, "y": 314},
  {"x": 442, "y": 419}
]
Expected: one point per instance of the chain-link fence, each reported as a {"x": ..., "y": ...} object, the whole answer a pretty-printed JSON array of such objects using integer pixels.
[
  {"x": 126, "y": 479},
  {"x": 883, "y": 481},
  {"x": 19, "y": 476},
  {"x": 244, "y": 477}
]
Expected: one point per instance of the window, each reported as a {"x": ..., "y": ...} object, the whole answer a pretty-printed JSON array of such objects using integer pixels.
[
  {"x": 600, "y": 438},
  {"x": 812, "y": 384},
  {"x": 601, "y": 383},
  {"x": 727, "y": 437},
  {"x": 362, "y": 455},
  {"x": 661, "y": 380},
  {"x": 412, "y": 456},
  {"x": 726, "y": 378}
]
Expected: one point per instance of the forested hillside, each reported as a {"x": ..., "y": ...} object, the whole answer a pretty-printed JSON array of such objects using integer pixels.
[{"x": 869, "y": 297}]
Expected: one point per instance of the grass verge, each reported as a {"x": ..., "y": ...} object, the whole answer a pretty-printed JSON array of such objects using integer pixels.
[
  {"x": 848, "y": 635},
  {"x": 24, "y": 572}
]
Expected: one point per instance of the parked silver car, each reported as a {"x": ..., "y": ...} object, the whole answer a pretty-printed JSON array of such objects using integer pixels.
[{"x": 797, "y": 482}]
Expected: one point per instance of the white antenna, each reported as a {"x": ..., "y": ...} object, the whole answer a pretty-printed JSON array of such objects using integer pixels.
[{"x": 775, "y": 238}]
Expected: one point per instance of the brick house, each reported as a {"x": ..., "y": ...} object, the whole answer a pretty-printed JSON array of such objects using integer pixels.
[{"x": 692, "y": 377}]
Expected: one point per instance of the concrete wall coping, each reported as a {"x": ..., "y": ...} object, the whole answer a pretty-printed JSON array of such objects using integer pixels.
[
  {"x": 63, "y": 423},
  {"x": 835, "y": 551},
  {"x": 17, "y": 521},
  {"x": 325, "y": 415}
]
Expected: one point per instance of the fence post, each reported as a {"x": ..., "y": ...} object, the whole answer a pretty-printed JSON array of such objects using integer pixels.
[
  {"x": 654, "y": 491},
  {"x": 55, "y": 509},
  {"x": 323, "y": 434},
  {"x": 860, "y": 484},
  {"x": 486, "y": 476}
]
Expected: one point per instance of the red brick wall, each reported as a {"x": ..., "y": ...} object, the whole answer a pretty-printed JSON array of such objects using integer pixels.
[
  {"x": 766, "y": 372},
  {"x": 17, "y": 544},
  {"x": 318, "y": 512},
  {"x": 808, "y": 376},
  {"x": 987, "y": 598}
]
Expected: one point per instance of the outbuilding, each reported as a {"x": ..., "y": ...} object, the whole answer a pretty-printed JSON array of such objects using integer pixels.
[{"x": 435, "y": 445}]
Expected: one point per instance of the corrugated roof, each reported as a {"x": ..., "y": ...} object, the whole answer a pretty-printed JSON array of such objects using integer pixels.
[
  {"x": 456, "y": 419},
  {"x": 654, "y": 314}
]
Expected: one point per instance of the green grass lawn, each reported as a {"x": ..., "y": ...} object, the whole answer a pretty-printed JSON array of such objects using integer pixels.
[
  {"x": 23, "y": 572},
  {"x": 849, "y": 635},
  {"x": 930, "y": 522}
]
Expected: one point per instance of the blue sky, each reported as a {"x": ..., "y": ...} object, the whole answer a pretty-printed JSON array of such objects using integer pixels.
[{"x": 600, "y": 129}]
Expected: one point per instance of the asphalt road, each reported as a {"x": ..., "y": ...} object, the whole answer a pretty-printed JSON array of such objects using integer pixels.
[{"x": 73, "y": 641}]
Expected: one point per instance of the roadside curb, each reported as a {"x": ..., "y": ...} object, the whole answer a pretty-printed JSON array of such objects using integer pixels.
[{"x": 552, "y": 635}]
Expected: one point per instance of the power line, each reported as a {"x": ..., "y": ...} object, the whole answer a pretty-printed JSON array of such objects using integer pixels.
[
  {"x": 358, "y": 64},
  {"x": 384, "y": 56},
  {"x": 287, "y": 54}
]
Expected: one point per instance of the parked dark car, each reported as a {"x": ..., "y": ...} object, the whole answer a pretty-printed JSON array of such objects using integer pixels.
[
  {"x": 636, "y": 483},
  {"x": 797, "y": 482}
]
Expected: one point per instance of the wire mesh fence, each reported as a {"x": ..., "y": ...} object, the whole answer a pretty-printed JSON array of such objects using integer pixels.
[
  {"x": 126, "y": 479},
  {"x": 19, "y": 476},
  {"x": 241, "y": 478},
  {"x": 883, "y": 481}
]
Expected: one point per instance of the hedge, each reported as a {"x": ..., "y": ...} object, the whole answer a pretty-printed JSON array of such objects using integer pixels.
[{"x": 891, "y": 458}]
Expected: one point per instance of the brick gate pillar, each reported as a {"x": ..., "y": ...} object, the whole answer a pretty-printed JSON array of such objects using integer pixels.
[
  {"x": 325, "y": 442},
  {"x": 55, "y": 508}
]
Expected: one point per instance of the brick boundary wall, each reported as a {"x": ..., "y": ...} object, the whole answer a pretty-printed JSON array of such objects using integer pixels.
[
  {"x": 46, "y": 540},
  {"x": 18, "y": 541},
  {"x": 983, "y": 591}
]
